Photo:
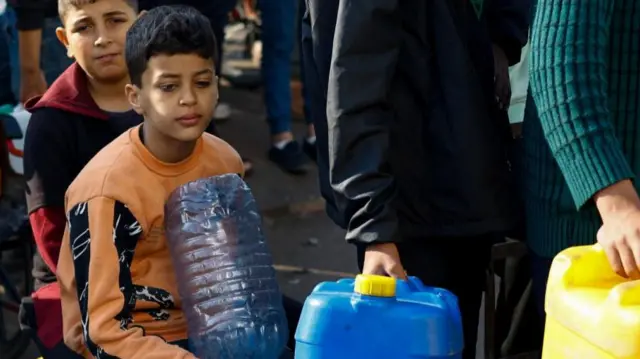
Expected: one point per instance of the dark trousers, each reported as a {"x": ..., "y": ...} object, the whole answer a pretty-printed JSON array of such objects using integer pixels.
[
  {"x": 6, "y": 91},
  {"x": 540, "y": 267},
  {"x": 456, "y": 264},
  {"x": 218, "y": 14}
]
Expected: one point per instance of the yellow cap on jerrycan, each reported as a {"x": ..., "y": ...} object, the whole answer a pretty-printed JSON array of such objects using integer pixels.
[{"x": 375, "y": 285}]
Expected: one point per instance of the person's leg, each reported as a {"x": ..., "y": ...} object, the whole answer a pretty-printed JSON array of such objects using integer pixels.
[
  {"x": 540, "y": 268},
  {"x": 278, "y": 36},
  {"x": 307, "y": 77},
  {"x": 293, "y": 310},
  {"x": 6, "y": 94},
  {"x": 217, "y": 12},
  {"x": 456, "y": 264},
  {"x": 54, "y": 59},
  {"x": 12, "y": 31}
]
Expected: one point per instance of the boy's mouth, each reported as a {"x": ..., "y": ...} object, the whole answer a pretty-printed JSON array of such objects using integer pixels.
[
  {"x": 107, "y": 57},
  {"x": 189, "y": 120}
]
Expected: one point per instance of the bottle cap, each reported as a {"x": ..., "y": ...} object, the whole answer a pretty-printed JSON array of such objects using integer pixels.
[{"x": 375, "y": 285}]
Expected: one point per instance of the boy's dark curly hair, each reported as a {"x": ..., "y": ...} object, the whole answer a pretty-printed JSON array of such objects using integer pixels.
[{"x": 167, "y": 30}]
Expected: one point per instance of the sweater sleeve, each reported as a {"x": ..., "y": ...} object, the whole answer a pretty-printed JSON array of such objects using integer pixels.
[
  {"x": 103, "y": 234},
  {"x": 569, "y": 85}
]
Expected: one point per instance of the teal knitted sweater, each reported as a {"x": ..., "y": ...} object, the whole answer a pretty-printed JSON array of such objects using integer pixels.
[{"x": 583, "y": 134}]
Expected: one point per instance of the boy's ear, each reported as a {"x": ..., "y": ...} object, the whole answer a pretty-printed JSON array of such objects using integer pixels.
[
  {"x": 141, "y": 13},
  {"x": 62, "y": 37},
  {"x": 133, "y": 95}
]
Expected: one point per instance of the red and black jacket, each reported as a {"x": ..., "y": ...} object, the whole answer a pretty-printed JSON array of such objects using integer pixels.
[{"x": 65, "y": 131}]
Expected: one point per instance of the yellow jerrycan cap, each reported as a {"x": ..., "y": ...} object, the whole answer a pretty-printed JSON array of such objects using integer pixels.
[{"x": 375, "y": 285}]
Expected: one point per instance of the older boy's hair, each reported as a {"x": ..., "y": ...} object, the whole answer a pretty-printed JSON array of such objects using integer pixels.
[
  {"x": 64, "y": 5},
  {"x": 167, "y": 30}
]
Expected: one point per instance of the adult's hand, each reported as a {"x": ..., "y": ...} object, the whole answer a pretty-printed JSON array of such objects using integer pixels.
[
  {"x": 32, "y": 84},
  {"x": 383, "y": 259},
  {"x": 619, "y": 235}
]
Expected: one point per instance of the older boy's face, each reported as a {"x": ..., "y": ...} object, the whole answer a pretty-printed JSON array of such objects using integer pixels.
[
  {"x": 178, "y": 95},
  {"x": 95, "y": 34}
]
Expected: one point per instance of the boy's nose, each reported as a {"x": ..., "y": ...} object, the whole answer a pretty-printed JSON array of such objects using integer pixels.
[
  {"x": 103, "y": 41},
  {"x": 188, "y": 98}
]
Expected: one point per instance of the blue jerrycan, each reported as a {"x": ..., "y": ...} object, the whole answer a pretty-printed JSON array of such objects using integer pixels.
[{"x": 377, "y": 317}]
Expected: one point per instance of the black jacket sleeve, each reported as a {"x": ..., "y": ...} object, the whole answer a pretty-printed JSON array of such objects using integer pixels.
[
  {"x": 48, "y": 155},
  {"x": 508, "y": 22},
  {"x": 30, "y": 14},
  {"x": 365, "y": 52}
]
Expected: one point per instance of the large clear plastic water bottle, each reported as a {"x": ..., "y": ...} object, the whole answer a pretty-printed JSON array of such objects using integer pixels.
[{"x": 224, "y": 269}]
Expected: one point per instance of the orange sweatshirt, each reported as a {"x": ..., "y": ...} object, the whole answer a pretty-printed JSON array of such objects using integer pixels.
[{"x": 118, "y": 287}]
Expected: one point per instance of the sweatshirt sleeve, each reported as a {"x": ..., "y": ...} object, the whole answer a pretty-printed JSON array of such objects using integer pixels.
[
  {"x": 103, "y": 234},
  {"x": 365, "y": 51},
  {"x": 48, "y": 171},
  {"x": 30, "y": 14},
  {"x": 569, "y": 50},
  {"x": 47, "y": 224}
]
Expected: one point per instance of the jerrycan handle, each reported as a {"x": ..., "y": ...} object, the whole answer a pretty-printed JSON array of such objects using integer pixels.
[
  {"x": 411, "y": 284},
  {"x": 627, "y": 293},
  {"x": 582, "y": 266},
  {"x": 588, "y": 267}
]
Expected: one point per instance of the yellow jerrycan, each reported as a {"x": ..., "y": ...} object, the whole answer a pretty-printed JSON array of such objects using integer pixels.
[{"x": 592, "y": 313}]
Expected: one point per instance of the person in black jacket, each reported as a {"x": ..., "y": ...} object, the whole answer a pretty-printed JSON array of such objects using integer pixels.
[{"x": 417, "y": 131}]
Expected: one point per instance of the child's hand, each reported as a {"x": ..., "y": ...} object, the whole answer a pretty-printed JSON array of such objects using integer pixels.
[{"x": 383, "y": 259}]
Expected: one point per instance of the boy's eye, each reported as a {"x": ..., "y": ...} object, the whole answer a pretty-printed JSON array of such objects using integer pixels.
[
  {"x": 117, "y": 20},
  {"x": 167, "y": 87},
  {"x": 203, "y": 84},
  {"x": 81, "y": 28}
]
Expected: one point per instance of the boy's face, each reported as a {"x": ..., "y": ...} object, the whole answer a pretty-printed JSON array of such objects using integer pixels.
[
  {"x": 94, "y": 35},
  {"x": 178, "y": 95}
]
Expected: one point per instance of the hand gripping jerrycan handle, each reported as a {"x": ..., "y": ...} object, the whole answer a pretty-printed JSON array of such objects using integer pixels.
[{"x": 588, "y": 267}]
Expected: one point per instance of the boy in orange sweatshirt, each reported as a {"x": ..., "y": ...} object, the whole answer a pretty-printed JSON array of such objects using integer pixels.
[{"x": 118, "y": 288}]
